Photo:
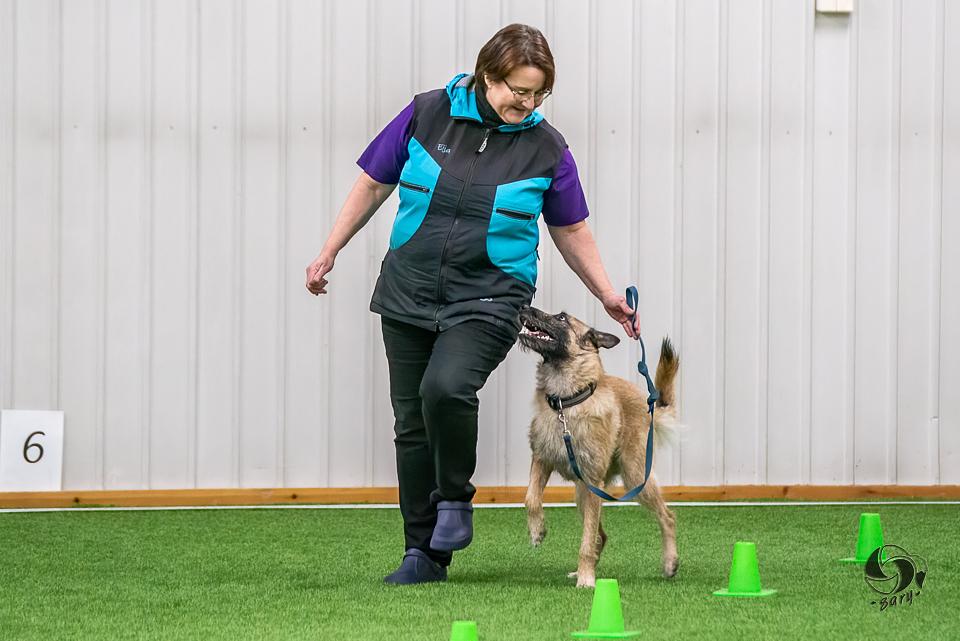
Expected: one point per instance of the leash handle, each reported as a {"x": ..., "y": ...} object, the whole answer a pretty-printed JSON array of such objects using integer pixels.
[
  {"x": 633, "y": 299},
  {"x": 653, "y": 395}
]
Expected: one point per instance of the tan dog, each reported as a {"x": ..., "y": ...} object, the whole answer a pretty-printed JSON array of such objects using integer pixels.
[{"x": 608, "y": 429}]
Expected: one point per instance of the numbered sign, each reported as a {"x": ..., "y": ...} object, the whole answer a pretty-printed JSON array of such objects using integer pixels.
[{"x": 31, "y": 451}]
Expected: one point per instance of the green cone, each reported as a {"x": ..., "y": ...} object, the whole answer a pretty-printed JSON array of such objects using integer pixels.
[
  {"x": 606, "y": 617},
  {"x": 463, "y": 631},
  {"x": 744, "y": 573},
  {"x": 869, "y": 538}
]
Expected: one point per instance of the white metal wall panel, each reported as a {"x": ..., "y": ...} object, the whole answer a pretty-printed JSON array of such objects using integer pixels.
[
  {"x": 698, "y": 318},
  {"x": 218, "y": 277},
  {"x": 81, "y": 228},
  {"x": 786, "y": 418},
  {"x": 919, "y": 232},
  {"x": 782, "y": 186},
  {"x": 948, "y": 416},
  {"x": 8, "y": 153},
  {"x": 831, "y": 254},
  {"x": 743, "y": 120},
  {"x": 875, "y": 398},
  {"x": 172, "y": 250}
]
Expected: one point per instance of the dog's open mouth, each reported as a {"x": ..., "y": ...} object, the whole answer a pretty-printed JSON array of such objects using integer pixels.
[{"x": 529, "y": 331}]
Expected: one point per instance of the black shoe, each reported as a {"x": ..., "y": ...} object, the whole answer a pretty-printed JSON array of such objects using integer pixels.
[
  {"x": 454, "y": 529},
  {"x": 417, "y": 567}
]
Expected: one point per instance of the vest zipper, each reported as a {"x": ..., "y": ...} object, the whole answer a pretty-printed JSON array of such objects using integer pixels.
[{"x": 456, "y": 211}]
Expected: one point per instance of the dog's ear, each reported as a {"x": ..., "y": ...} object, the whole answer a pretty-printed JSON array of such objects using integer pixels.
[{"x": 602, "y": 339}]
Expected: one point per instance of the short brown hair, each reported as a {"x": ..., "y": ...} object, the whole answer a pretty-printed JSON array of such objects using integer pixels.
[{"x": 516, "y": 45}]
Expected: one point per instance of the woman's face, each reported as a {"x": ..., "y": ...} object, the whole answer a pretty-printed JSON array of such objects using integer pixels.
[{"x": 500, "y": 93}]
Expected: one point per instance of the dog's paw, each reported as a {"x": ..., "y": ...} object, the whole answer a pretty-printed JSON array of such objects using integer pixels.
[
  {"x": 537, "y": 536},
  {"x": 586, "y": 581},
  {"x": 583, "y": 580},
  {"x": 670, "y": 567}
]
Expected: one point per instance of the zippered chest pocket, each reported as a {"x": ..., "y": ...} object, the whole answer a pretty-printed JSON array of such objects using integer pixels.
[
  {"x": 414, "y": 202},
  {"x": 418, "y": 185},
  {"x": 513, "y": 233},
  {"x": 512, "y": 239},
  {"x": 412, "y": 187},
  {"x": 512, "y": 213}
]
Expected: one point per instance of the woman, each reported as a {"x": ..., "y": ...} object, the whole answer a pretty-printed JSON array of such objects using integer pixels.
[{"x": 476, "y": 164}]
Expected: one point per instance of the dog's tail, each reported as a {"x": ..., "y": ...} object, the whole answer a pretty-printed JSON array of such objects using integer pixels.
[
  {"x": 669, "y": 430},
  {"x": 667, "y": 373}
]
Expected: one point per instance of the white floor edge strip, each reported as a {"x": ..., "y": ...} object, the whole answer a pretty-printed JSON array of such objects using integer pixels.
[{"x": 369, "y": 506}]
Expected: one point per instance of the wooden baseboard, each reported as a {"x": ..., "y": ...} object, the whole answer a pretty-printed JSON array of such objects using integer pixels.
[{"x": 563, "y": 494}]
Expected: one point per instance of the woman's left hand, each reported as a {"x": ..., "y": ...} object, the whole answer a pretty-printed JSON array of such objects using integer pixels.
[{"x": 617, "y": 308}]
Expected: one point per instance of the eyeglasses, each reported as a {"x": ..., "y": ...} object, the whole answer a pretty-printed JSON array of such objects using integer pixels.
[{"x": 521, "y": 95}]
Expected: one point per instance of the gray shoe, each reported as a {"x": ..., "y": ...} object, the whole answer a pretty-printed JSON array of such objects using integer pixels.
[
  {"x": 454, "y": 529},
  {"x": 416, "y": 567}
]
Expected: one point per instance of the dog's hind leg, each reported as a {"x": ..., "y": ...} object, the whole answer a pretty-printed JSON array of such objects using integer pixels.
[
  {"x": 652, "y": 499},
  {"x": 591, "y": 543},
  {"x": 539, "y": 475}
]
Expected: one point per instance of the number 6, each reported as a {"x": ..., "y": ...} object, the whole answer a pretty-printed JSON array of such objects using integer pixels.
[{"x": 28, "y": 445}]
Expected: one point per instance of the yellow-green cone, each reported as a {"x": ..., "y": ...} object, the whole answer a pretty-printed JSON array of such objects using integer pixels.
[
  {"x": 744, "y": 573},
  {"x": 463, "y": 631},
  {"x": 869, "y": 538},
  {"x": 606, "y": 617}
]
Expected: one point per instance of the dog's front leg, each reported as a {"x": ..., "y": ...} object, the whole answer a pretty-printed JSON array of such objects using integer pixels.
[
  {"x": 589, "y": 505},
  {"x": 539, "y": 475}
]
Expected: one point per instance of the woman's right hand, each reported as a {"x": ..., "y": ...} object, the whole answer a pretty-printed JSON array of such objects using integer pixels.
[{"x": 316, "y": 283}]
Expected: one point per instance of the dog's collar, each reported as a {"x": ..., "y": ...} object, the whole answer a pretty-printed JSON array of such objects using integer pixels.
[{"x": 558, "y": 402}]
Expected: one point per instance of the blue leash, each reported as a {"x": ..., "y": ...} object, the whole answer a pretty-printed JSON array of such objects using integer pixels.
[{"x": 652, "y": 397}]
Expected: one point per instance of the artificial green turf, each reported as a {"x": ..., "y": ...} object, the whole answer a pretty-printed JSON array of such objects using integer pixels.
[{"x": 316, "y": 574}]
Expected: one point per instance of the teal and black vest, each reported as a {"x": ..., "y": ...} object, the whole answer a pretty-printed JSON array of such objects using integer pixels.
[{"x": 464, "y": 243}]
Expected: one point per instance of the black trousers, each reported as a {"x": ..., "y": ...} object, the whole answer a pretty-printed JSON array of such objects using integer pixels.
[{"x": 434, "y": 379}]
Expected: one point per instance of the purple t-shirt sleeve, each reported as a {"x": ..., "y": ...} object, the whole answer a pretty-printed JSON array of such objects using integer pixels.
[
  {"x": 564, "y": 202},
  {"x": 385, "y": 156}
]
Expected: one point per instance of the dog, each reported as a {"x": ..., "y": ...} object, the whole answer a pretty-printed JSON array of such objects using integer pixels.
[{"x": 608, "y": 430}]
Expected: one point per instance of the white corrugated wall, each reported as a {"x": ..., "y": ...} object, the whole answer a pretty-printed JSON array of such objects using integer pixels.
[{"x": 782, "y": 186}]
